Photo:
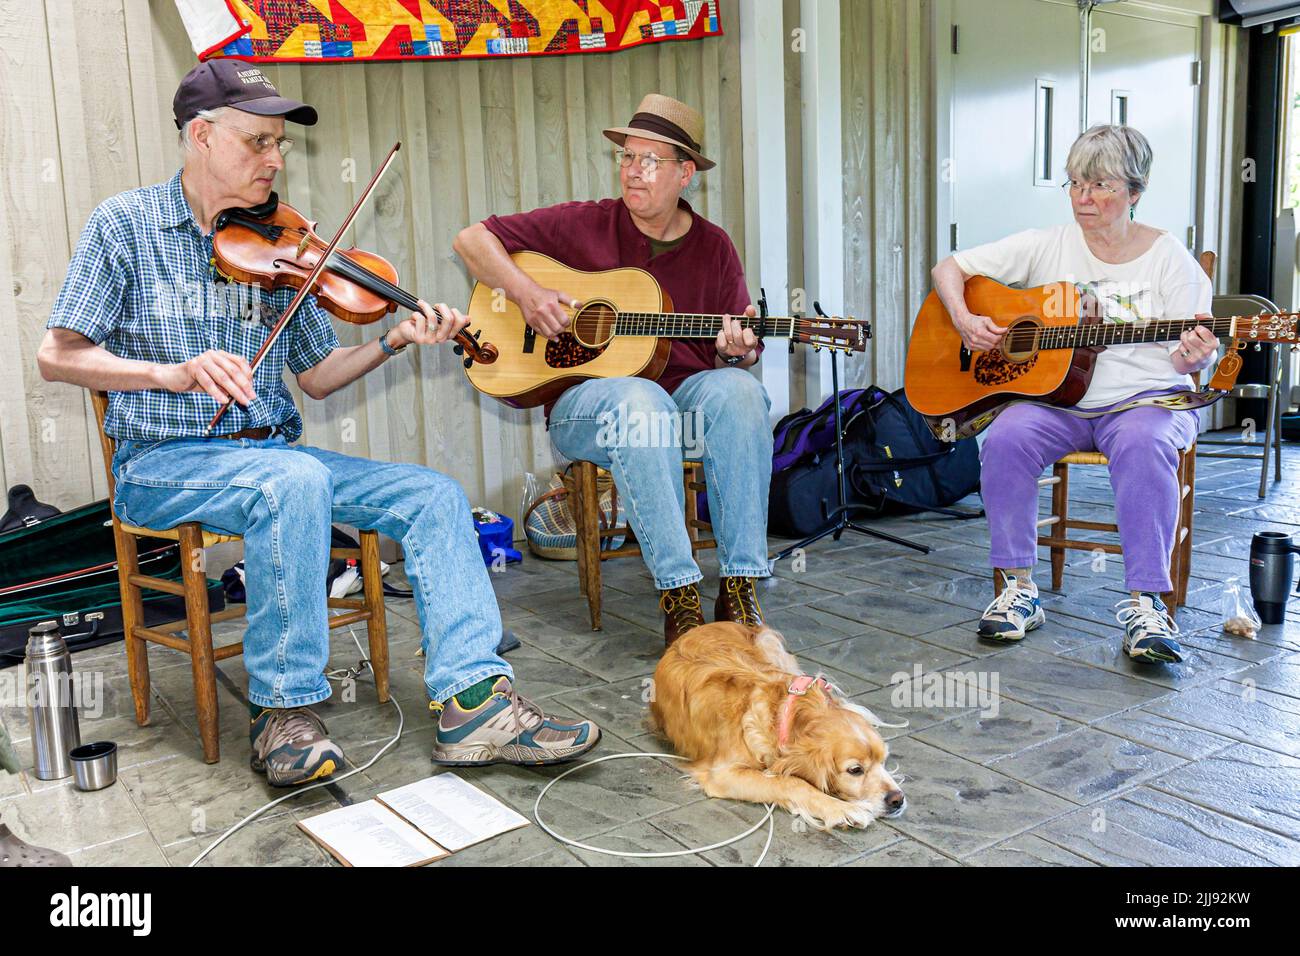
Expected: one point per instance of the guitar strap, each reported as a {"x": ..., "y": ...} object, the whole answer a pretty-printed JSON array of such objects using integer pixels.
[
  {"x": 1184, "y": 401},
  {"x": 1220, "y": 385}
]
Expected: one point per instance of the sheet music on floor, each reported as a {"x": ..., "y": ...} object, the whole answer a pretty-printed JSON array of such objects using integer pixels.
[
  {"x": 370, "y": 834},
  {"x": 451, "y": 811},
  {"x": 412, "y": 825}
]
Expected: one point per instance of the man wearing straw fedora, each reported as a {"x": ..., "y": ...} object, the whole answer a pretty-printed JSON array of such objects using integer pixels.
[{"x": 650, "y": 226}]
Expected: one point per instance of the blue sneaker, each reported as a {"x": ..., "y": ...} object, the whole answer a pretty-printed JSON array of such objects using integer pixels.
[
  {"x": 1149, "y": 630},
  {"x": 1014, "y": 612},
  {"x": 506, "y": 728}
]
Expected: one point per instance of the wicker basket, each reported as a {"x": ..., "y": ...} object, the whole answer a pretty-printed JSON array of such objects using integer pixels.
[{"x": 549, "y": 524}]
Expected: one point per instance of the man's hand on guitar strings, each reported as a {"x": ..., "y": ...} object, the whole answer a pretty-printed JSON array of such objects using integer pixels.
[{"x": 547, "y": 311}]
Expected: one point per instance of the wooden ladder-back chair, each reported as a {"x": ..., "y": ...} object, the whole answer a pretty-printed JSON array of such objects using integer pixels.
[{"x": 198, "y": 620}]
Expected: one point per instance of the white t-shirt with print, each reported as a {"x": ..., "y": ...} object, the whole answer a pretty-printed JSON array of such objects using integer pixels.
[{"x": 1165, "y": 282}]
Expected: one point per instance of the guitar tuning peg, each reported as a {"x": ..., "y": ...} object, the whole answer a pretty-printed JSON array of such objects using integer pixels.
[{"x": 1259, "y": 347}]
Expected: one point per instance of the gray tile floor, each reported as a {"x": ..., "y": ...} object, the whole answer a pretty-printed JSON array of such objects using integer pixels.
[{"x": 1090, "y": 759}]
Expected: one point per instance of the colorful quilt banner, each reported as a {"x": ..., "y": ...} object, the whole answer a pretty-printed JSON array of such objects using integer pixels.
[{"x": 322, "y": 31}]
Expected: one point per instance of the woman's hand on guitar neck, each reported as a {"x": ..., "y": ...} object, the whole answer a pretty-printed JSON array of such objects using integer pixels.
[
  {"x": 979, "y": 333},
  {"x": 547, "y": 310},
  {"x": 1197, "y": 348}
]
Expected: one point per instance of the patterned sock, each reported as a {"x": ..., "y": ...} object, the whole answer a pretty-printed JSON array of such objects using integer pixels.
[{"x": 471, "y": 697}]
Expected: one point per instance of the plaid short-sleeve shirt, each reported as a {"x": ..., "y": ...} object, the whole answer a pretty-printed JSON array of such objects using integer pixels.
[{"x": 142, "y": 283}]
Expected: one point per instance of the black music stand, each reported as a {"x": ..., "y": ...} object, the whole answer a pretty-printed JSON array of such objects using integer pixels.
[{"x": 838, "y": 519}]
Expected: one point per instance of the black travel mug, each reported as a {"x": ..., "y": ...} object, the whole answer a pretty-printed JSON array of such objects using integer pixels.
[{"x": 1272, "y": 568}]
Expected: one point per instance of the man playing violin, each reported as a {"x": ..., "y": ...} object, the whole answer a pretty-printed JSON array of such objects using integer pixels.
[
  {"x": 650, "y": 226},
  {"x": 142, "y": 315}
]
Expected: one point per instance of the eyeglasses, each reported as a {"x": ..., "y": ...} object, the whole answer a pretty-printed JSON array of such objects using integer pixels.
[
  {"x": 649, "y": 161},
  {"x": 1105, "y": 188},
  {"x": 261, "y": 142}
]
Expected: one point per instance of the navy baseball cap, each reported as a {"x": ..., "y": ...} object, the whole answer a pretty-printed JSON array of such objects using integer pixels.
[{"x": 223, "y": 82}]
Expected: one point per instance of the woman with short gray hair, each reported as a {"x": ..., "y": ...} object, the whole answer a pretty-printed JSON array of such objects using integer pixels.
[{"x": 1136, "y": 273}]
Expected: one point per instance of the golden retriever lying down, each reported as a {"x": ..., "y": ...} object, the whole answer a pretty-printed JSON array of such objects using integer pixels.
[{"x": 735, "y": 703}]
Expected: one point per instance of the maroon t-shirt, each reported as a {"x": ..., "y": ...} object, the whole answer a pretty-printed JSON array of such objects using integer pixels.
[{"x": 702, "y": 273}]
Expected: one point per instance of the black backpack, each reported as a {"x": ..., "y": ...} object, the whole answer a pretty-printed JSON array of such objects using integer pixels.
[
  {"x": 893, "y": 464},
  {"x": 894, "y": 459}
]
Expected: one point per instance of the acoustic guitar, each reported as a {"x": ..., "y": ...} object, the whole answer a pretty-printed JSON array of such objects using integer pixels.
[
  {"x": 624, "y": 325},
  {"x": 1054, "y": 334}
]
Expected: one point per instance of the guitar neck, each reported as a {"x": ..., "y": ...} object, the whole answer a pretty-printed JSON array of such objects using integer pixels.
[
  {"x": 685, "y": 325},
  {"x": 1131, "y": 333}
]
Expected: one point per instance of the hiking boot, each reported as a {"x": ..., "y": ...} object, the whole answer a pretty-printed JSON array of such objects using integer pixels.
[
  {"x": 682, "y": 611},
  {"x": 291, "y": 746},
  {"x": 1149, "y": 630},
  {"x": 506, "y": 728},
  {"x": 1014, "y": 612},
  {"x": 738, "y": 602}
]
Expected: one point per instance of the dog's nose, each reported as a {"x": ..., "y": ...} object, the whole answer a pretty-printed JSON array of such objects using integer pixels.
[{"x": 895, "y": 801}]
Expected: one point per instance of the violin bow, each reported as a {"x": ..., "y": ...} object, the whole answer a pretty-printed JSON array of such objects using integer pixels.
[{"x": 311, "y": 279}]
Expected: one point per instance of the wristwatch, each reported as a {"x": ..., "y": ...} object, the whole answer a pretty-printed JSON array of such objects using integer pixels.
[
  {"x": 388, "y": 349},
  {"x": 731, "y": 360}
]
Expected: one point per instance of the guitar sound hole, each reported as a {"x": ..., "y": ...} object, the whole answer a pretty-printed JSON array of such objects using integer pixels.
[
  {"x": 567, "y": 352},
  {"x": 594, "y": 324},
  {"x": 992, "y": 368}
]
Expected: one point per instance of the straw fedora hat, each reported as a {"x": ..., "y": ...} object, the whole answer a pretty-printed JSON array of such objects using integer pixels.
[{"x": 665, "y": 120}]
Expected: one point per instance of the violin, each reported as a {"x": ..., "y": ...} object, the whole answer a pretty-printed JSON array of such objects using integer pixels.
[{"x": 274, "y": 245}]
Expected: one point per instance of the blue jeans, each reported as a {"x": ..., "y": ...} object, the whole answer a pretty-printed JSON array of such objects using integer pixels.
[
  {"x": 641, "y": 434},
  {"x": 282, "y": 498}
]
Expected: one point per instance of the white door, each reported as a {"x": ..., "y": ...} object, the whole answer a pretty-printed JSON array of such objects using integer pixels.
[
  {"x": 1015, "y": 110},
  {"x": 1015, "y": 86},
  {"x": 1142, "y": 75}
]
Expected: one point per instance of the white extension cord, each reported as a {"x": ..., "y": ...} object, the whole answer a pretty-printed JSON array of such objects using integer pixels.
[
  {"x": 537, "y": 815},
  {"x": 550, "y": 831},
  {"x": 332, "y": 675}
]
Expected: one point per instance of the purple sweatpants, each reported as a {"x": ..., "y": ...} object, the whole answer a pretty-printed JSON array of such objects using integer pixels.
[{"x": 1142, "y": 445}]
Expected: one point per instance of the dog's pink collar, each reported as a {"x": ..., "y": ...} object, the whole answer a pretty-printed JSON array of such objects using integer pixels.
[{"x": 798, "y": 688}]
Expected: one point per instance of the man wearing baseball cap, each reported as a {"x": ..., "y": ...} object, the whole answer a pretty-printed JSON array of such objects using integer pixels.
[
  {"x": 144, "y": 315},
  {"x": 651, "y": 227}
]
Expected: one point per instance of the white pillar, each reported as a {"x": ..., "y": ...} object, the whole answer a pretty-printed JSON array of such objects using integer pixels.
[
  {"x": 762, "y": 100},
  {"x": 823, "y": 179}
]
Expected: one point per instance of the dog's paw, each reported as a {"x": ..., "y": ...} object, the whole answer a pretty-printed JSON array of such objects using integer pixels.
[
  {"x": 831, "y": 813},
  {"x": 857, "y": 816}
]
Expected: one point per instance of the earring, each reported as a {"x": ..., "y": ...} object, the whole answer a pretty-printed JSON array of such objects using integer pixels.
[{"x": 1132, "y": 212}]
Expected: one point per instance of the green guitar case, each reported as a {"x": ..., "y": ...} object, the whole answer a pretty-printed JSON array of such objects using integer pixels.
[{"x": 64, "y": 568}]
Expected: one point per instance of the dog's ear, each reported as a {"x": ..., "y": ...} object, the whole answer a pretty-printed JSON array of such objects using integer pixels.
[
  {"x": 807, "y": 755},
  {"x": 807, "y": 763}
]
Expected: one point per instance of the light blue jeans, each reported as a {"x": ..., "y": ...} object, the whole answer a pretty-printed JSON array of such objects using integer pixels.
[
  {"x": 282, "y": 498},
  {"x": 641, "y": 434}
]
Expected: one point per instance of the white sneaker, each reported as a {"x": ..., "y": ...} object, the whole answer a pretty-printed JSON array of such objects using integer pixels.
[
  {"x": 1013, "y": 612},
  {"x": 1149, "y": 630}
]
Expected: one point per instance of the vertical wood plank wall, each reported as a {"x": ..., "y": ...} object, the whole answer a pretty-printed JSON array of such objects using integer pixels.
[
  {"x": 888, "y": 116},
  {"x": 479, "y": 137},
  {"x": 94, "y": 118}
]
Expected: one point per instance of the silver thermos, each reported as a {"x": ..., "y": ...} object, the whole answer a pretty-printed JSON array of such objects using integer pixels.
[{"x": 50, "y": 702}]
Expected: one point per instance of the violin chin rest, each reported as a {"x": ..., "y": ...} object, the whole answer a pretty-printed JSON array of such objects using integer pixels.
[{"x": 265, "y": 209}]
